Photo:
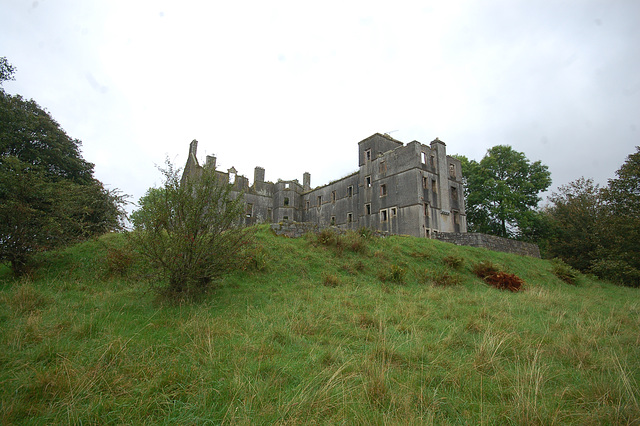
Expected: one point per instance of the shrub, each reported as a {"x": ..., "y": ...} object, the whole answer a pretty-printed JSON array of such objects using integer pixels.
[
  {"x": 453, "y": 261},
  {"x": 485, "y": 269},
  {"x": 395, "y": 274},
  {"x": 564, "y": 272},
  {"x": 492, "y": 275},
  {"x": 440, "y": 278},
  {"x": 326, "y": 237},
  {"x": 190, "y": 231}
]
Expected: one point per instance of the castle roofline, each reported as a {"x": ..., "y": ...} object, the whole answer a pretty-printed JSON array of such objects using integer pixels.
[{"x": 386, "y": 136}]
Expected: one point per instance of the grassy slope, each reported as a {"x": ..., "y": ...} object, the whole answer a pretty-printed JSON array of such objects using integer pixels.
[{"x": 279, "y": 345}]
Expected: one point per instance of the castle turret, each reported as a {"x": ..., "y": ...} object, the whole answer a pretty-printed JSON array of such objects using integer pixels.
[{"x": 306, "y": 181}]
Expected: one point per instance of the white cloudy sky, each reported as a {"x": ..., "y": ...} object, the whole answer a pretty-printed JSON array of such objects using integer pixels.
[{"x": 292, "y": 86}]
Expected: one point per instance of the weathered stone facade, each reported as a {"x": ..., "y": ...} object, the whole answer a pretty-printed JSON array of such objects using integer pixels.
[{"x": 413, "y": 189}]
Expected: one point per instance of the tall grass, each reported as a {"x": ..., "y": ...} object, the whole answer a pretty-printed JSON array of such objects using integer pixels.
[{"x": 316, "y": 333}]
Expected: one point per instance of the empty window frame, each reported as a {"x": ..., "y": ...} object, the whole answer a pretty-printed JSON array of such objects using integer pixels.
[
  {"x": 286, "y": 201},
  {"x": 367, "y": 156},
  {"x": 349, "y": 217},
  {"x": 425, "y": 182},
  {"x": 367, "y": 209},
  {"x": 286, "y": 186},
  {"x": 319, "y": 200},
  {"x": 454, "y": 193},
  {"x": 426, "y": 209},
  {"x": 384, "y": 215},
  {"x": 434, "y": 185},
  {"x": 350, "y": 191},
  {"x": 333, "y": 220},
  {"x": 285, "y": 218},
  {"x": 432, "y": 160},
  {"x": 423, "y": 157},
  {"x": 367, "y": 182},
  {"x": 333, "y": 196},
  {"x": 306, "y": 205},
  {"x": 452, "y": 170},
  {"x": 393, "y": 212},
  {"x": 249, "y": 210},
  {"x": 383, "y": 190}
]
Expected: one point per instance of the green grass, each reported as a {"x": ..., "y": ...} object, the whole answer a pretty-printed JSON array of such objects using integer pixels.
[{"x": 318, "y": 334}]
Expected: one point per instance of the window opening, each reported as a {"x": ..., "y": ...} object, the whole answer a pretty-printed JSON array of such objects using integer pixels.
[
  {"x": 434, "y": 185},
  {"x": 285, "y": 218},
  {"x": 333, "y": 220},
  {"x": 319, "y": 200},
  {"x": 367, "y": 155},
  {"x": 425, "y": 182},
  {"x": 367, "y": 181},
  {"x": 249, "y": 210},
  {"x": 367, "y": 208},
  {"x": 423, "y": 158},
  {"x": 349, "y": 191},
  {"x": 452, "y": 170},
  {"x": 383, "y": 190},
  {"x": 286, "y": 201},
  {"x": 383, "y": 166},
  {"x": 286, "y": 186},
  {"x": 333, "y": 196},
  {"x": 394, "y": 212},
  {"x": 306, "y": 206},
  {"x": 383, "y": 215},
  {"x": 349, "y": 217}
]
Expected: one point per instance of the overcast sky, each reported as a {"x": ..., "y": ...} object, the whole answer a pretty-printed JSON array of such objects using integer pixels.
[{"x": 294, "y": 86}]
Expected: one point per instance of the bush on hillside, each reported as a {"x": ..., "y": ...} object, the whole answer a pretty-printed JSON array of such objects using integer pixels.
[
  {"x": 564, "y": 272},
  {"x": 191, "y": 231}
]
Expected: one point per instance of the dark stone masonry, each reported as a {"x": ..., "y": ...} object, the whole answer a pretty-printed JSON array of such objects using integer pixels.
[{"x": 490, "y": 242}]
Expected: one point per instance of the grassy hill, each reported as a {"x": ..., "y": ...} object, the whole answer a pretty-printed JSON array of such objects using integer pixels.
[{"x": 375, "y": 331}]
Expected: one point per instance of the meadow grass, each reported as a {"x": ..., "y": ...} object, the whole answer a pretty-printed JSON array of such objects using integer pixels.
[{"x": 359, "y": 332}]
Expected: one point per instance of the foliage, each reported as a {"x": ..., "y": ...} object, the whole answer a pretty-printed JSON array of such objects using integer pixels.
[
  {"x": 6, "y": 70},
  {"x": 453, "y": 261},
  {"x": 48, "y": 195},
  {"x": 598, "y": 230},
  {"x": 492, "y": 275},
  {"x": 619, "y": 253},
  {"x": 191, "y": 231},
  {"x": 564, "y": 272},
  {"x": 575, "y": 221},
  {"x": 502, "y": 191}
]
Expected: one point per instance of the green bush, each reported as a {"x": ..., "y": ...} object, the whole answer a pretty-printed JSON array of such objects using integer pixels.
[
  {"x": 190, "y": 230},
  {"x": 564, "y": 272}
]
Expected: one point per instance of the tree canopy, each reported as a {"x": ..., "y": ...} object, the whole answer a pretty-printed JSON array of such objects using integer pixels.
[
  {"x": 48, "y": 195},
  {"x": 502, "y": 191}
]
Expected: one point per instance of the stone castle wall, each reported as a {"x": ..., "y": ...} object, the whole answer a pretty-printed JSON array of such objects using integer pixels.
[
  {"x": 293, "y": 229},
  {"x": 490, "y": 242}
]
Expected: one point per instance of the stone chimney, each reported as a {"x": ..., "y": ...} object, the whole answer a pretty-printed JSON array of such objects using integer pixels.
[
  {"x": 306, "y": 181},
  {"x": 258, "y": 174}
]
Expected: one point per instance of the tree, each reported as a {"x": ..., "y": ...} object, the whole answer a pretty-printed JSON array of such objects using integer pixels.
[
  {"x": 575, "y": 220},
  {"x": 502, "y": 191},
  {"x": 6, "y": 70},
  {"x": 48, "y": 195},
  {"x": 619, "y": 251},
  {"x": 191, "y": 231}
]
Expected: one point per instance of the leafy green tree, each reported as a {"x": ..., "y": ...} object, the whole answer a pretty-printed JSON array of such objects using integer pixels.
[
  {"x": 6, "y": 70},
  {"x": 48, "y": 195},
  {"x": 502, "y": 191},
  {"x": 191, "y": 231},
  {"x": 619, "y": 251},
  {"x": 575, "y": 220}
]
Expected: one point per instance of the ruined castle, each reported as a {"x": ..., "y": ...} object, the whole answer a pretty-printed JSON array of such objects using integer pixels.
[{"x": 413, "y": 189}]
